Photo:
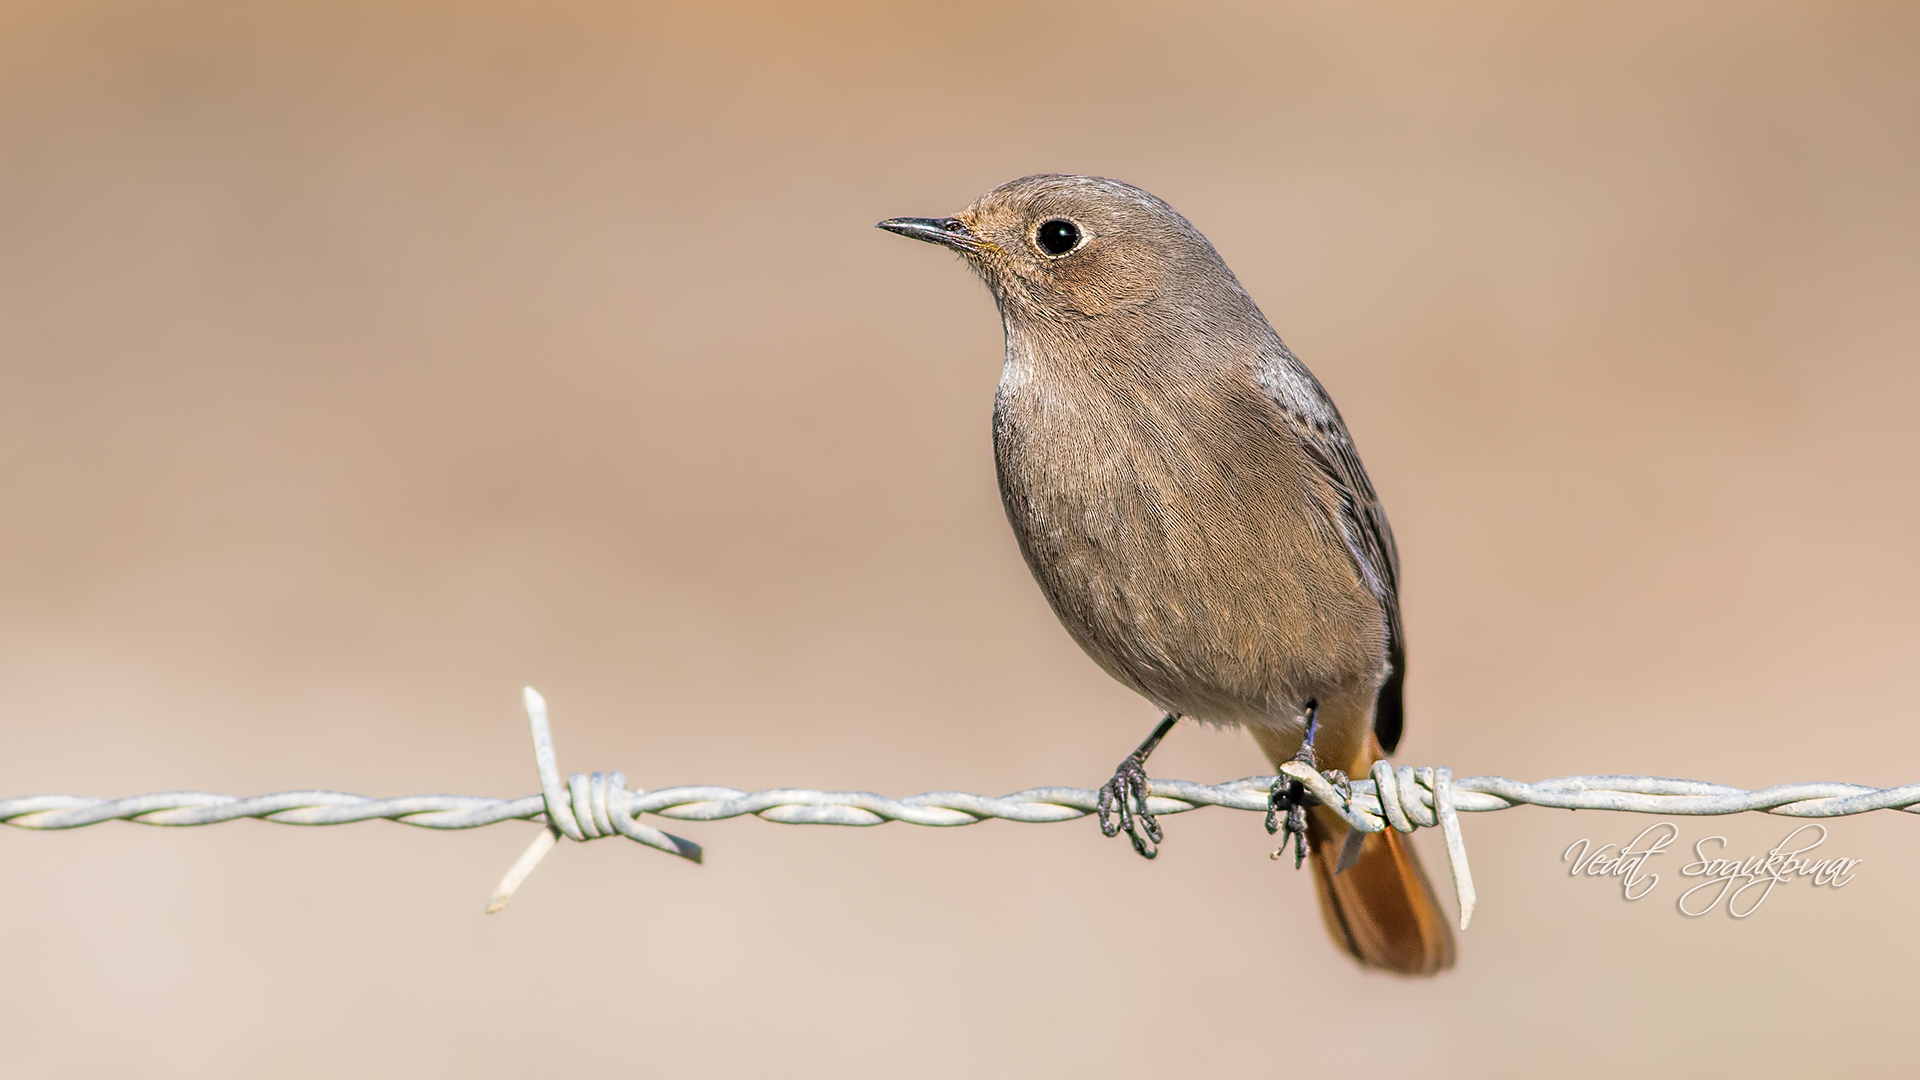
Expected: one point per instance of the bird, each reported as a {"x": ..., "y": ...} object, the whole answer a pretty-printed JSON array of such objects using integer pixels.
[{"x": 1193, "y": 507}]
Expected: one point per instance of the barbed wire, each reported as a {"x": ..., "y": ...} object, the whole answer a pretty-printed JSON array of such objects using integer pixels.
[{"x": 594, "y": 806}]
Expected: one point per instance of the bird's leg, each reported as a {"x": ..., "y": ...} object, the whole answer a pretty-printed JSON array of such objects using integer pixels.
[
  {"x": 1289, "y": 797},
  {"x": 1128, "y": 789}
]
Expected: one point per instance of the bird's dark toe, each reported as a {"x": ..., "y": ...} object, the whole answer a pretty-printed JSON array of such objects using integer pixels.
[{"x": 1123, "y": 808}]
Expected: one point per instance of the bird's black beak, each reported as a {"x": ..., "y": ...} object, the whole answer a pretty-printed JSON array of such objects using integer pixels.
[{"x": 951, "y": 232}]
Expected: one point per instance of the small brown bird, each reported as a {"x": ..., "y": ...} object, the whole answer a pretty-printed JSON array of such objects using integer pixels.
[{"x": 1190, "y": 502}]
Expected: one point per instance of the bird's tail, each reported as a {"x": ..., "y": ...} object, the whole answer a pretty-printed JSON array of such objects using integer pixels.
[{"x": 1380, "y": 908}]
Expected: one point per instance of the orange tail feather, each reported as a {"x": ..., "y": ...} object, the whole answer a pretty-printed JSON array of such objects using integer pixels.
[{"x": 1380, "y": 908}]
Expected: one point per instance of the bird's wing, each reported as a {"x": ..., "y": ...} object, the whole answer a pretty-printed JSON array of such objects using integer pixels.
[{"x": 1362, "y": 520}]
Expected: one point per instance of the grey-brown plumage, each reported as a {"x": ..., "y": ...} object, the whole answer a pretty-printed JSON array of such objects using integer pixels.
[{"x": 1190, "y": 502}]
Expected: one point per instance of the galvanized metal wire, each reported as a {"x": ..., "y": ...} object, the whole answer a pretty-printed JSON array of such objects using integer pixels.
[{"x": 593, "y": 806}]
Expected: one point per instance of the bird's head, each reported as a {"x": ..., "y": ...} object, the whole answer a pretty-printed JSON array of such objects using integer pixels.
[{"x": 1066, "y": 248}]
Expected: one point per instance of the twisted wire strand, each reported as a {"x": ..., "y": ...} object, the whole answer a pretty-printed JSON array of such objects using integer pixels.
[{"x": 597, "y": 805}]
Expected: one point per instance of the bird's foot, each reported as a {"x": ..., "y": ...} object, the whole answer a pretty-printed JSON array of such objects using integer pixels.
[
  {"x": 1288, "y": 800},
  {"x": 1125, "y": 797},
  {"x": 1287, "y": 815}
]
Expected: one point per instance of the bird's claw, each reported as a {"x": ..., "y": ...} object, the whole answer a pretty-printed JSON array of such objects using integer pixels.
[
  {"x": 1341, "y": 783},
  {"x": 1125, "y": 797},
  {"x": 1287, "y": 815},
  {"x": 1290, "y": 797},
  {"x": 1288, "y": 800}
]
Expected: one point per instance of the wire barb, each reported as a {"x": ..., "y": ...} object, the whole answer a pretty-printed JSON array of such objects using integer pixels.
[
  {"x": 587, "y": 808},
  {"x": 598, "y": 805}
]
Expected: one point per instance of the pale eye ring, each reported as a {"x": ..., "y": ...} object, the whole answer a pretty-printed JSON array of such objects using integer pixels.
[{"x": 1058, "y": 236}]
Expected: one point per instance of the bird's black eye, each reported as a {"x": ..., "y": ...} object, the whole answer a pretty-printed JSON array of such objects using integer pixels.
[{"x": 1058, "y": 236}]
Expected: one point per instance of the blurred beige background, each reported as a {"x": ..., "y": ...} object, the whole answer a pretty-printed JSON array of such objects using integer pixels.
[{"x": 360, "y": 363}]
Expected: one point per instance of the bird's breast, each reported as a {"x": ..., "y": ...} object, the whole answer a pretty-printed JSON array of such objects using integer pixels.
[{"x": 1174, "y": 526}]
